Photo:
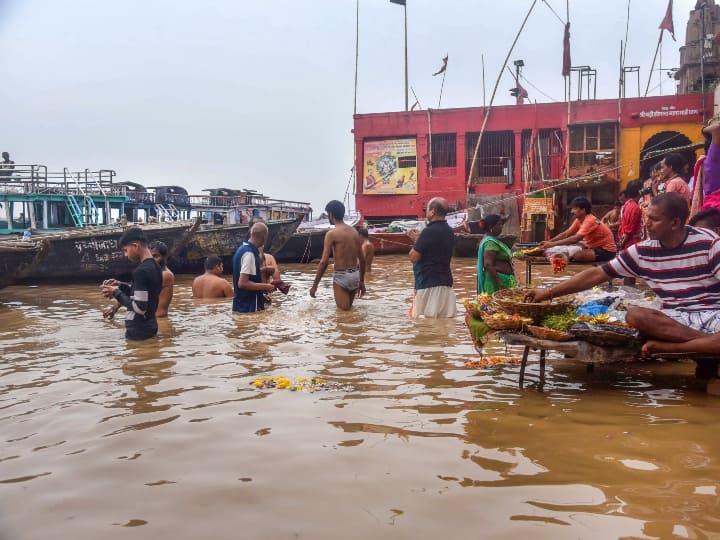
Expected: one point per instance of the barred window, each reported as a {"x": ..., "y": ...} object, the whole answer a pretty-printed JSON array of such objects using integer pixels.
[
  {"x": 443, "y": 150},
  {"x": 494, "y": 163}
]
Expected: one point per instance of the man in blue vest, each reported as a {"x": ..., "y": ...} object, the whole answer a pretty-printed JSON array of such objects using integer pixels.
[{"x": 247, "y": 277}]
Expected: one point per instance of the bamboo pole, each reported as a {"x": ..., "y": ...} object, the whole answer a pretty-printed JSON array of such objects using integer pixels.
[{"x": 486, "y": 116}]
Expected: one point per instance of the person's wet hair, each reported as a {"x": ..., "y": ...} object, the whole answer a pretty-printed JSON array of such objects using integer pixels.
[
  {"x": 336, "y": 209},
  {"x": 159, "y": 246},
  {"x": 212, "y": 261},
  {"x": 133, "y": 234},
  {"x": 363, "y": 232},
  {"x": 707, "y": 219},
  {"x": 581, "y": 202},
  {"x": 672, "y": 205}
]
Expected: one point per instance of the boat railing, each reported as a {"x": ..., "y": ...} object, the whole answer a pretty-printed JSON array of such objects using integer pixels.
[
  {"x": 23, "y": 178},
  {"x": 36, "y": 179}
]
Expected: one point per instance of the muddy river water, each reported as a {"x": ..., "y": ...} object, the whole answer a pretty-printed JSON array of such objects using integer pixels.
[{"x": 170, "y": 439}]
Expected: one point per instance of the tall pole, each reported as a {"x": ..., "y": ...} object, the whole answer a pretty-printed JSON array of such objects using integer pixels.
[
  {"x": 406, "y": 56},
  {"x": 357, "y": 50},
  {"x": 518, "y": 98},
  {"x": 702, "y": 61},
  {"x": 482, "y": 59}
]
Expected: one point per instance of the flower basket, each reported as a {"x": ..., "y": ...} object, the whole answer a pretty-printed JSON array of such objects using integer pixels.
[
  {"x": 473, "y": 309},
  {"x": 483, "y": 303},
  {"x": 503, "y": 321},
  {"x": 542, "y": 332},
  {"x": 606, "y": 335},
  {"x": 513, "y": 301}
]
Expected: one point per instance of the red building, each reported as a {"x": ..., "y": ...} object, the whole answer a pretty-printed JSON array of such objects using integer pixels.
[{"x": 406, "y": 158}]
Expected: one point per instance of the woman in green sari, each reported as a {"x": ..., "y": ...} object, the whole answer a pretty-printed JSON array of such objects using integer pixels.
[{"x": 495, "y": 269}]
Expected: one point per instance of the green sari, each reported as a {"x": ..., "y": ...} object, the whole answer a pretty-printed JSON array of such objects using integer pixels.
[{"x": 485, "y": 283}]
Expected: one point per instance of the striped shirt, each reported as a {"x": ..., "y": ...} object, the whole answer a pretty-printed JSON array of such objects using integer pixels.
[{"x": 686, "y": 278}]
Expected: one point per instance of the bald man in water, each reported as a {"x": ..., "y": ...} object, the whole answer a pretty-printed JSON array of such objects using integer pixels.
[{"x": 247, "y": 277}]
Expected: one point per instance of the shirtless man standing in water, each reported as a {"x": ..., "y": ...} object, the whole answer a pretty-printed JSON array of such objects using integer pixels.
[
  {"x": 159, "y": 251},
  {"x": 343, "y": 243}
]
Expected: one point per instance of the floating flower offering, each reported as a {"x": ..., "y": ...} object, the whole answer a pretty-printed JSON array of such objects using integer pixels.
[
  {"x": 490, "y": 361},
  {"x": 303, "y": 384}
]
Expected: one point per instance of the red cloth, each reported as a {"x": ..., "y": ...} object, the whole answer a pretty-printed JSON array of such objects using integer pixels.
[
  {"x": 443, "y": 68},
  {"x": 667, "y": 22},
  {"x": 566, "y": 51},
  {"x": 630, "y": 226}
]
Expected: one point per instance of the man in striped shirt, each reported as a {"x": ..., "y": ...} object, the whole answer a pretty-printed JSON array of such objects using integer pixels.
[{"x": 680, "y": 263}]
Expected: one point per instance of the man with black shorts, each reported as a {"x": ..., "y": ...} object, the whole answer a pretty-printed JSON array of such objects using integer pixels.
[{"x": 141, "y": 298}]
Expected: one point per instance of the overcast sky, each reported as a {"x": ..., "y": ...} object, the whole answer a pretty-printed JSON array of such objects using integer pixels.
[{"x": 259, "y": 94}]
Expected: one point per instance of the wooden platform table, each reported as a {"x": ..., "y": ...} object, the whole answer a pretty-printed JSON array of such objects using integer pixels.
[
  {"x": 590, "y": 354},
  {"x": 579, "y": 350}
]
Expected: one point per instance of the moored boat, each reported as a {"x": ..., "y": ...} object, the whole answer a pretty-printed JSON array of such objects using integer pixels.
[
  {"x": 394, "y": 239},
  {"x": 18, "y": 258},
  {"x": 223, "y": 241},
  {"x": 94, "y": 254},
  {"x": 306, "y": 244},
  {"x": 467, "y": 244}
]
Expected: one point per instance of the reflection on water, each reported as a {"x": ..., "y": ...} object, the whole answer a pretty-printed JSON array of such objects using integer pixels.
[{"x": 168, "y": 438}]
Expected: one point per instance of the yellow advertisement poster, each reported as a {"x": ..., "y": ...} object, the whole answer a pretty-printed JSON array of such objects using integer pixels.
[{"x": 390, "y": 167}]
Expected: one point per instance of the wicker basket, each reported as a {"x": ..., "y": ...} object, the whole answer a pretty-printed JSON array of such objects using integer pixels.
[
  {"x": 473, "y": 309},
  {"x": 513, "y": 301},
  {"x": 542, "y": 332},
  {"x": 606, "y": 335},
  {"x": 507, "y": 323}
]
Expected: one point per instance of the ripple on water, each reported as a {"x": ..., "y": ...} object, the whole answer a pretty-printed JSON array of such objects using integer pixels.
[{"x": 91, "y": 423}]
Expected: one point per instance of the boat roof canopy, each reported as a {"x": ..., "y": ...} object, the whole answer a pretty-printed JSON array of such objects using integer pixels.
[
  {"x": 172, "y": 190},
  {"x": 132, "y": 186}
]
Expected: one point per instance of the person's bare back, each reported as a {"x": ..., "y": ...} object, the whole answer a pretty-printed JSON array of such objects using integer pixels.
[
  {"x": 211, "y": 286},
  {"x": 343, "y": 243}
]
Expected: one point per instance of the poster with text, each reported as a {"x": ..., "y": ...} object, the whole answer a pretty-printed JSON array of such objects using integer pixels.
[{"x": 390, "y": 167}]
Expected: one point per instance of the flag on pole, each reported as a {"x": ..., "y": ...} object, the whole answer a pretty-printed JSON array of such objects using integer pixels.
[
  {"x": 443, "y": 68},
  {"x": 401, "y": 2},
  {"x": 566, "y": 51},
  {"x": 667, "y": 22},
  {"x": 522, "y": 93}
]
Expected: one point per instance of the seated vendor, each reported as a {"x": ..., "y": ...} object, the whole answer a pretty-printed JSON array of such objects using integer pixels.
[
  {"x": 680, "y": 263},
  {"x": 586, "y": 240}
]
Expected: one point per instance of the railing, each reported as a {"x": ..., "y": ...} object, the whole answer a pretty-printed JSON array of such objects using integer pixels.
[{"x": 36, "y": 179}]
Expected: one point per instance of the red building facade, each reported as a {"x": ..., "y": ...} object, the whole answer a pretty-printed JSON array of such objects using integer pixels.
[{"x": 406, "y": 158}]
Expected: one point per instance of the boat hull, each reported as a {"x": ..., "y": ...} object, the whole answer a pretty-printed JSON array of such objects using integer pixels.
[
  {"x": 95, "y": 255},
  {"x": 17, "y": 259},
  {"x": 467, "y": 244},
  {"x": 386, "y": 243},
  {"x": 223, "y": 241},
  {"x": 303, "y": 247}
]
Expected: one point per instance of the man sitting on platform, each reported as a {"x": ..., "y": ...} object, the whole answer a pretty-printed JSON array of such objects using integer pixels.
[
  {"x": 586, "y": 240},
  {"x": 680, "y": 263}
]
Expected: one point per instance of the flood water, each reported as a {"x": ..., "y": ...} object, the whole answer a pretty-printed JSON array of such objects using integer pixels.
[{"x": 169, "y": 438}]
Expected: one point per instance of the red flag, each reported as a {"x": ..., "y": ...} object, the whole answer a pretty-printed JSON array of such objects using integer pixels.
[
  {"x": 443, "y": 68},
  {"x": 566, "y": 51},
  {"x": 667, "y": 22},
  {"x": 522, "y": 93}
]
